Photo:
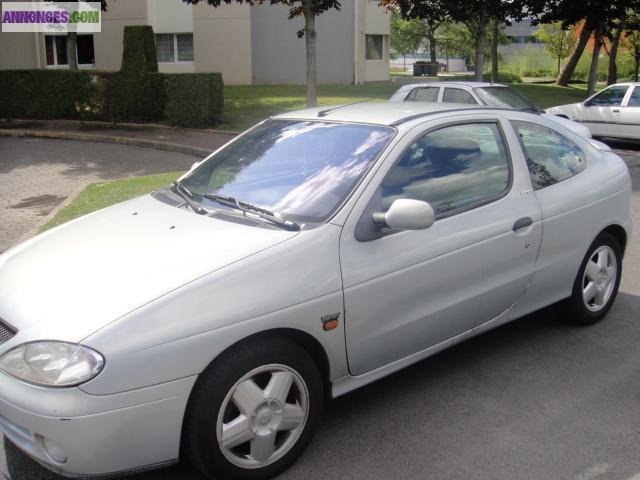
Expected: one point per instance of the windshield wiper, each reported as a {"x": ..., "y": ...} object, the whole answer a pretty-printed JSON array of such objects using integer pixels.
[
  {"x": 250, "y": 208},
  {"x": 184, "y": 193}
]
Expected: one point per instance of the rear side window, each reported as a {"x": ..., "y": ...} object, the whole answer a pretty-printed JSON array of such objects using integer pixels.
[
  {"x": 457, "y": 95},
  {"x": 551, "y": 157},
  {"x": 423, "y": 94},
  {"x": 454, "y": 168},
  {"x": 634, "y": 101}
]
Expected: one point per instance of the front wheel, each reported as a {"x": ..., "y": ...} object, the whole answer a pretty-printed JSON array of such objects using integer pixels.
[
  {"x": 596, "y": 285},
  {"x": 253, "y": 411}
]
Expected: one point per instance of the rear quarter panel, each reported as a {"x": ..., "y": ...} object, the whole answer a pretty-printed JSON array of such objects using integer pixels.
[{"x": 574, "y": 212}]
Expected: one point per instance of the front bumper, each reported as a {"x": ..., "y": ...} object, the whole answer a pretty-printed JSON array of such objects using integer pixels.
[{"x": 77, "y": 434}]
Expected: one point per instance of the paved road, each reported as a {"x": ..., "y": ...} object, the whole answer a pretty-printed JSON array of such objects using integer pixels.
[
  {"x": 37, "y": 174},
  {"x": 536, "y": 399}
]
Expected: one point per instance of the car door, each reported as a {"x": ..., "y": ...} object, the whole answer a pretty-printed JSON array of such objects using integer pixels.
[
  {"x": 630, "y": 115},
  {"x": 405, "y": 291},
  {"x": 457, "y": 95},
  {"x": 601, "y": 113}
]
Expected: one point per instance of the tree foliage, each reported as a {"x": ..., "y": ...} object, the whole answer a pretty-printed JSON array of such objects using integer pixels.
[
  {"x": 558, "y": 42},
  {"x": 406, "y": 35}
]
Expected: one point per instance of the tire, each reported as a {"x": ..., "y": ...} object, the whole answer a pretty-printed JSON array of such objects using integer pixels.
[
  {"x": 271, "y": 392},
  {"x": 600, "y": 272}
]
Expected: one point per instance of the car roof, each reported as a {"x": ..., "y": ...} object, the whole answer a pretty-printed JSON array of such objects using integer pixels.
[
  {"x": 450, "y": 83},
  {"x": 379, "y": 113},
  {"x": 625, "y": 84}
]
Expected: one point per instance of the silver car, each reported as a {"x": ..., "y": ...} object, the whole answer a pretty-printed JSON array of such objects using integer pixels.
[
  {"x": 614, "y": 112},
  {"x": 317, "y": 252},
  {"x": 478, "y": 93}
]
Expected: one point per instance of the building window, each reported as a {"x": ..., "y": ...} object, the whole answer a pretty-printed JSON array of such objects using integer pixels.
[
  {"x": 56, "y": 50},
  {"x": 375, "y": 47},
  {"x": 174, "y": 47}
]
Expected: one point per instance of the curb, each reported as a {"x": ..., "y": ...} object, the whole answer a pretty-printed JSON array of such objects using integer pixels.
[
  {"x": 90, "y": 137},
  {"x": 36, "y": 228},
  {"x": 140, "y": 126}
]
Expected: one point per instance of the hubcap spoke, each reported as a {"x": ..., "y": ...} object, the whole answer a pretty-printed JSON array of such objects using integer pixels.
[
  {"x": 293, "y": 416},
  {"x": 247, "y": 396},
  {"x": 262, "y": 447},
  {"x": 600, "y": 297},
  {"x": 592, "y": 271},
  {"x": 236, "y": 432},
  {"x": 589, "y": 292},
  {"x": 603, "y": 259},
  {"x": 279, "y": 386}
]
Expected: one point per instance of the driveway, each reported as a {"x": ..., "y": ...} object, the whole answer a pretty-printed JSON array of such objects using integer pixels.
[
  {"x": 536, "y": 399},
  {"x": 37, "y": 174}
]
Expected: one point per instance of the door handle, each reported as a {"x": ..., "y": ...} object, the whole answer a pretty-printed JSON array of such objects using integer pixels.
[
  {"x": 616, "y": 110},
  {"x": 522, "y": 223}
]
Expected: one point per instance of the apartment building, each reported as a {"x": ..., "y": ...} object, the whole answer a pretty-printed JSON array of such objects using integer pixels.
[{"x": 247, "y": 44}]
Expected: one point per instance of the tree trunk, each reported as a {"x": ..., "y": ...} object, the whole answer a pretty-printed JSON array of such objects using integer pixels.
[
  {"x": 494, "y": 49},
  {"x": 404, "y": 62},
  {"x": 570, "y": 66},
  {"x": 432, "y": 46},
  {"x": 612, "y": 74},
  {"x": 480, "y": 43},
  {"x": 637, "y": 68},
  {"x": 72, "y": 58},
  {"x": 310, "y": 38},
  {"x": 558, "y": 74},
  {"x": 593, "y": 70}
]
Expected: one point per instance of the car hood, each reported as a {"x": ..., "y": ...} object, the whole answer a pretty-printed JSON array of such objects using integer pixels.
[{"x": 75, "y": 279}]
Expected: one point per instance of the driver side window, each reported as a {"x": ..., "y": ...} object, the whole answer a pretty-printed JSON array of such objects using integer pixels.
[
  {"x": 454, "y": 168},
  {"x": 611, "y": 97}
]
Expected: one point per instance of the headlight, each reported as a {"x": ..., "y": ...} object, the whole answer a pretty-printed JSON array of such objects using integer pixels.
[{"x": 52, "y": 364}]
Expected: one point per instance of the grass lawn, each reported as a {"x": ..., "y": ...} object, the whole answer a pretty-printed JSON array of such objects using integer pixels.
[
  {"x": 247, "y": 105},
  {"x": 103, "y": 194}
]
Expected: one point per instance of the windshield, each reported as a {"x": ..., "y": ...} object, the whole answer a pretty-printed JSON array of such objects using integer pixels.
[
  {"x": 302, "y": 170},
  {"x": 505, "y": 97}
]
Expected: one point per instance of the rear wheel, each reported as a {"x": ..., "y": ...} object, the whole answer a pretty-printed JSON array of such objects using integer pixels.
[
  {"x": 596, "y": 285},
  {"x": 254, "y": 410}
]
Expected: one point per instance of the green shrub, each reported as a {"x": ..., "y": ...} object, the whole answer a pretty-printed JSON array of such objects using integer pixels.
[
  {"x": 135, "y": 98},
  {"x": 193, "y": 99},
  {"x": 44, "y": 93},
  {"x": 537, "y": 73},
  {"x": 503, "y": 77},
  {"x": 138, "y": 50}
]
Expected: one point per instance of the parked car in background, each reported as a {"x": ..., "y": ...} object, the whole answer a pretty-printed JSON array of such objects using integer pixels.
[
  {"x": 476, "y": 93},
  {"x": 315, "y": 253},
  {"x": 613, "y": 112}
]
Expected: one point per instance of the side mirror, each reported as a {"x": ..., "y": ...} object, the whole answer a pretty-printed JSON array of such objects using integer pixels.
[{"x": 406, "y": 214}]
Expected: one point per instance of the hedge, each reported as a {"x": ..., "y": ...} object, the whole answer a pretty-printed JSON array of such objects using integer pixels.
[
  {"x": 44, "y": 93},
  {"x": 193, "y": 99},
  {"x": 181, "y": 99}
]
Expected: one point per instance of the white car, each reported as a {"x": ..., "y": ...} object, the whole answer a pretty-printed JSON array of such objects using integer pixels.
[
  {"x": 478, "y": 93},
  {"x": 315, "y": 253},
  {"x": 614, "y": 112}
]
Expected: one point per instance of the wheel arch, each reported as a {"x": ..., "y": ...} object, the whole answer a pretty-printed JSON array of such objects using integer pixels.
[{"x": 619, "y": 233}]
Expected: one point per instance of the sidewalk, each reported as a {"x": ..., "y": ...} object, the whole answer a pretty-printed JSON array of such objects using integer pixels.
[{"x": 198, "y": 142}]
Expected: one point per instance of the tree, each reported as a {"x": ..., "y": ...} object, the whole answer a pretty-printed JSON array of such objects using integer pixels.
[
  {"x": 454, "y": 39},
  {"x": 558, "y": 42},
  {"x": 631, "y": 42},
  {"x": 475, "y": 14},
  {"x": 72, "y": 41},
  {"x": 309, "y": 9},
  {"x": 406, "y": 35},
  {"x": 594, "y": 15}
]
